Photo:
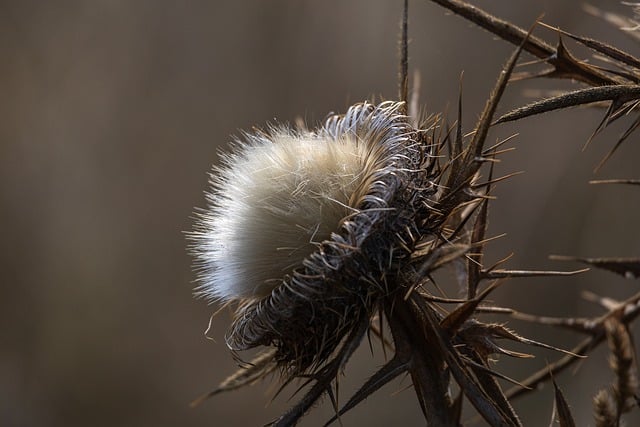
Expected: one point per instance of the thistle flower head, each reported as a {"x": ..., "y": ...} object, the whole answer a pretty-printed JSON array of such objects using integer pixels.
[
  {"x": 305, "y": 229},
  {"x": 281, "y": 194}
]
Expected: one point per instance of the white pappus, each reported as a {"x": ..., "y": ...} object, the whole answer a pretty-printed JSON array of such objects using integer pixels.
[{"x": 278, "y": 194}]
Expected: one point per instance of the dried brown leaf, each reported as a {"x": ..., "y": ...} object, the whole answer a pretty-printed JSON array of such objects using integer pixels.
[
  {"x": 257, "y": 369},
  {"x": 564, "y": 412},
  {"x": 324, "y": 378},
  {"x": 388, "y": 372},
  {"x": 618, "y": 93},
  {"x": 472, "y": 389}
]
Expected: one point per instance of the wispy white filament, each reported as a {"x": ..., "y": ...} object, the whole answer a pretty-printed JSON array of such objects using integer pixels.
[{"x": 273, "y": 200}]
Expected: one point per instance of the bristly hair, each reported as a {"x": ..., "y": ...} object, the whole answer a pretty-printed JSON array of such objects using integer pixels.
[{"x": 281, "y": 193}]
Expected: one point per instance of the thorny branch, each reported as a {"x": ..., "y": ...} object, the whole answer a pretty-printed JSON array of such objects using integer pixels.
[{"x": 618, "y": 86}]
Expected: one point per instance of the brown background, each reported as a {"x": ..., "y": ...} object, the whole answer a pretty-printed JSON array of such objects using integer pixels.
[{"x": 112, "y": 113}]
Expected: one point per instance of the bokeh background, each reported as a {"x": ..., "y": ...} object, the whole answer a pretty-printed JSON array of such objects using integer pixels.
[{"x": 111, "y": 115}]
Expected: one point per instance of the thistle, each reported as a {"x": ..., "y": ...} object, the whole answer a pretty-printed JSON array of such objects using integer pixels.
[{"x": 317, "y": 238}]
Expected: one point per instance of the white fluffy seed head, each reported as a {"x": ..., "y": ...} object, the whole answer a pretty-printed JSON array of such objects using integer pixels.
[{"x": 274, "y": 199}]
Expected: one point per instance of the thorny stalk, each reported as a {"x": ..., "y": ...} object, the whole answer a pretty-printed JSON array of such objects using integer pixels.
[{"x": 618, "y": 87}]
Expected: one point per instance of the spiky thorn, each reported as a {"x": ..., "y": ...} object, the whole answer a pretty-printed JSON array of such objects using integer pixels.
[
  {"x": 404, "y": 58},
  {"x": 621, "y": 139},
  {"x": 500, "y": 274},
  {"x": 600, "y": 47},
  {"x": 492, "y": 181},
  {"x": 625, "y": 75},
  {"x": 467, "y": 162},
  {"x": 576, "y": 324},
  {"x": 615, "y": 181},
  {"x": 391, "y": 370},
  {"x": 478, "y": 233},
  {"x": 476, "y": 391},
  {"x": 476, "y": 343},
  {"x": 454, "y": 320},
  {"x": 565, "y": 417},
  {"x": 627, "y": 311},
  {"x": 626, "y": 267},
  {"x": 324, "y": 378},
  {"x": 488, "y": 378},
  {"x": 565, "y": 66},
  {"x": 257, "y": 369}
]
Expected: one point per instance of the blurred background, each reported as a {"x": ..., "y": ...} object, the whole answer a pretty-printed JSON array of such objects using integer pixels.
[{"x": 112, "y": 114}]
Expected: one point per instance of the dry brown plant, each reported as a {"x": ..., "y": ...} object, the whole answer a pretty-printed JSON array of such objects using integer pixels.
[{"x": 421, "y": 207}]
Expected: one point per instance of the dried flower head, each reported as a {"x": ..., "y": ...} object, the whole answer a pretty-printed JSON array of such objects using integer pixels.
[
  {"x": 282, "y": 195},
  {"x": 307, "y": 228}
]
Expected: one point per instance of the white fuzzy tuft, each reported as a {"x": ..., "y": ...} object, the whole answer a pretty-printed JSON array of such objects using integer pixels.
[{"x": 274, "y": 199}]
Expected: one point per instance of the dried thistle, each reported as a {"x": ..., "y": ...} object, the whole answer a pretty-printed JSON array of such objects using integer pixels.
[
  {"x": 314, "y": 235},
  {"x": 396, "y": 223}
]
